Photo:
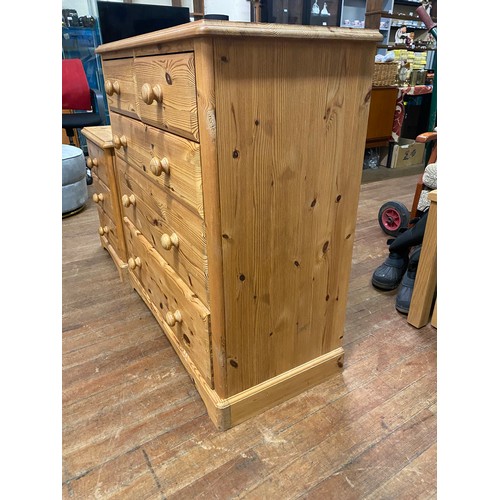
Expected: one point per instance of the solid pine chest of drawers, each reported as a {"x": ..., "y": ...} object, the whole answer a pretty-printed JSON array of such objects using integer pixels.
[{"x": 239, "y": 151}]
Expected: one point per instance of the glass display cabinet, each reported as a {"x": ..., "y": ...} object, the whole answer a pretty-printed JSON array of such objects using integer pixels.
[{"x": 306, "y": 12}]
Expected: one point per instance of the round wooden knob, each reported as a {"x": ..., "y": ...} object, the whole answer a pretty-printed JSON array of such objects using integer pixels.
[
  {"x": 98, "y": 197},
  {"x": 150, "y": 94},
  {"x": 91, "y": 162},
  {"x": 167, "y": 242},
  {"x": 118, "y": 142},
  {"x": 128, "y": 200},
  {"x": 158, "y": 166},
  {"x": 103, "y": 230},
  {"x": 173, "y": 317},
  {"x": 111, "y": 87},
  {"x": 133, "y": 263}
]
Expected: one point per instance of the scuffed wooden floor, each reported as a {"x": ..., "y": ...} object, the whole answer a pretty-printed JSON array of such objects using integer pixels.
[{"x": 134, "y": 426}]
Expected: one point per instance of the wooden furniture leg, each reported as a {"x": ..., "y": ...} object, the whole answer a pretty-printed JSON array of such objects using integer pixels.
[
  {"x": 434, "y": 318},
  {"x": 426, "y": 279}
]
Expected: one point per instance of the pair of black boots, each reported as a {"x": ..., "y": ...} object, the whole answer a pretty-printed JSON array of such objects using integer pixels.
[{"x": 400, "y": 268}]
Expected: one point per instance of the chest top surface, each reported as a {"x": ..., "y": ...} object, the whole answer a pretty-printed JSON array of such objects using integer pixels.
[{"x": 204, "y": 28}]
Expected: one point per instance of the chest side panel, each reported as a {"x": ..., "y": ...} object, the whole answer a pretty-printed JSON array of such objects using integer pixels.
[{"x": 291, "y": 126}]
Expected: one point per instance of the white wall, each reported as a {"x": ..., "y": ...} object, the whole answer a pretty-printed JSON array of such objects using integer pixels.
[{"x": 237, "y": 10}]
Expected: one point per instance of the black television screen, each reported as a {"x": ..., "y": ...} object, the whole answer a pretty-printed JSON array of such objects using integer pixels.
[{"x": 119, "y": 20}]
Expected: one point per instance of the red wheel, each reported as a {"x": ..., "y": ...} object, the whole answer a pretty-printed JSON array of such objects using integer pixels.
[{"x": 393, "y": 216}]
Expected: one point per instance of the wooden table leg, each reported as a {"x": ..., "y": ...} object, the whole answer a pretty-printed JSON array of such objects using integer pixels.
[
  {"x": 434, "y": 319},
  {"x": 426, "y": 279}
]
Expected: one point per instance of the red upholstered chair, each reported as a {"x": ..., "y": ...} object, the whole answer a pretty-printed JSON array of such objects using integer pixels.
[{"x": 87, "y": 104}]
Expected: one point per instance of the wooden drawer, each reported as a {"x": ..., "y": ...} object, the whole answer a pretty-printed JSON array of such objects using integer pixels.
[
  {"x": 172, "y": 162},
  {"x": 107, "y": 230},
  {"x": 166, "y": 93},
  {"x": 183, "y": 315},
  {"x": 103, "y": 197},
  {"x": 157, "y": 215},
  {"x": 120, "y": 87},
  {"x": 100, "y": 163}
]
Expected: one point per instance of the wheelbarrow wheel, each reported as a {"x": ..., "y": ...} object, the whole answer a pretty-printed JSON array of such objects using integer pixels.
[{"x": 393, "y": 216}]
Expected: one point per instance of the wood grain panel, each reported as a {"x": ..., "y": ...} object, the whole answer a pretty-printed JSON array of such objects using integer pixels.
[
  {"x": 107, "y": 230},
  {"x": 118, "y": 74},
  {"x": 144, "y": 143},
  {"x": 291, "y": 124},
  {"x": 102, "y": 161},
  {"x": 164, "y": 48},
  {"x": 169, "y": 294},
  {"x": 100, "y": 135},
  {"x": 381, "y": 116},
  {"x": 424, "y": 290},
  {"x": 155, "y": 214},
  {"x": 103, "y": 197},
  {"x": 97, "y": 161},
  {"x": 112, "y": 240},
  {"x": 174, "y": 108},
  {"x": 208, "y": 146},
  {"x": 204, "y": 28}
]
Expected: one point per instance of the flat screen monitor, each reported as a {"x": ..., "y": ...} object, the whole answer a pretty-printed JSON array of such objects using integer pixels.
[{"x": 119, "y": 20}]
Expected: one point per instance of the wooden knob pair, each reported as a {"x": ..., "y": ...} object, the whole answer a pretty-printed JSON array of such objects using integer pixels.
[
  {"x": 167, "y": 242},
  {"x": 158, "y": 166},
  {"x": 151, "y": 93},
  {"x": 91, "y": 162},
  {"x": 173, "y": 317},
  {"x": 128, "y": 200},
  {"x": 98, "y": 197},
  {"x": 134, "y": 262},
  {"x": 103, "y": 230},
  {"x": 118, "y": 142},
  {"x": 112, "y": 87}
]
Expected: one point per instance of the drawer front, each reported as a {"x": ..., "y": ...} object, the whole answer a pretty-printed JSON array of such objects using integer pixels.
[
  {"x": 176, "y": 233},
  {"x": 166, "y": 93},
  {"x": 181, "y": 311},
  {"x": 99, "y": 162},
  {"x": 107, "y": 230},
  {"x": 120, "y": 86},
  {"x": 102, "y": 196},
  {"x": 170, "y": 161}
]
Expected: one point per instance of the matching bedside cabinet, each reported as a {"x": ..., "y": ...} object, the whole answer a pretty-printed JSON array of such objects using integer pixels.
[
  {"x": 101, "y": 161},
  {"x": 238, "y": 152}
]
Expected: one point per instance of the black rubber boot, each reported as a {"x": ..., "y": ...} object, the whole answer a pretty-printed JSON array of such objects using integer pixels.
[
  {"x": 388, "y": 275},
  {"x": 403, "y": 298}
]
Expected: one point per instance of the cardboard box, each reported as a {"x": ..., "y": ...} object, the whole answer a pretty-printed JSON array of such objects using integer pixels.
[{"x": 407, "y": 152}]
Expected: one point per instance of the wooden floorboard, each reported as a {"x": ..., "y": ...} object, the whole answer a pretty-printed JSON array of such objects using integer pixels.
[{"x": 134, "y": 426}]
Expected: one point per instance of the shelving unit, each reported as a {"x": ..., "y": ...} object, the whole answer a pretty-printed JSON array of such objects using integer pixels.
[
  {"x": 389, "y": 16},
  {"x": 352, "y": 14},
  {"x": 315, "y": 19},
  {"x": 304, "y": 12}
]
